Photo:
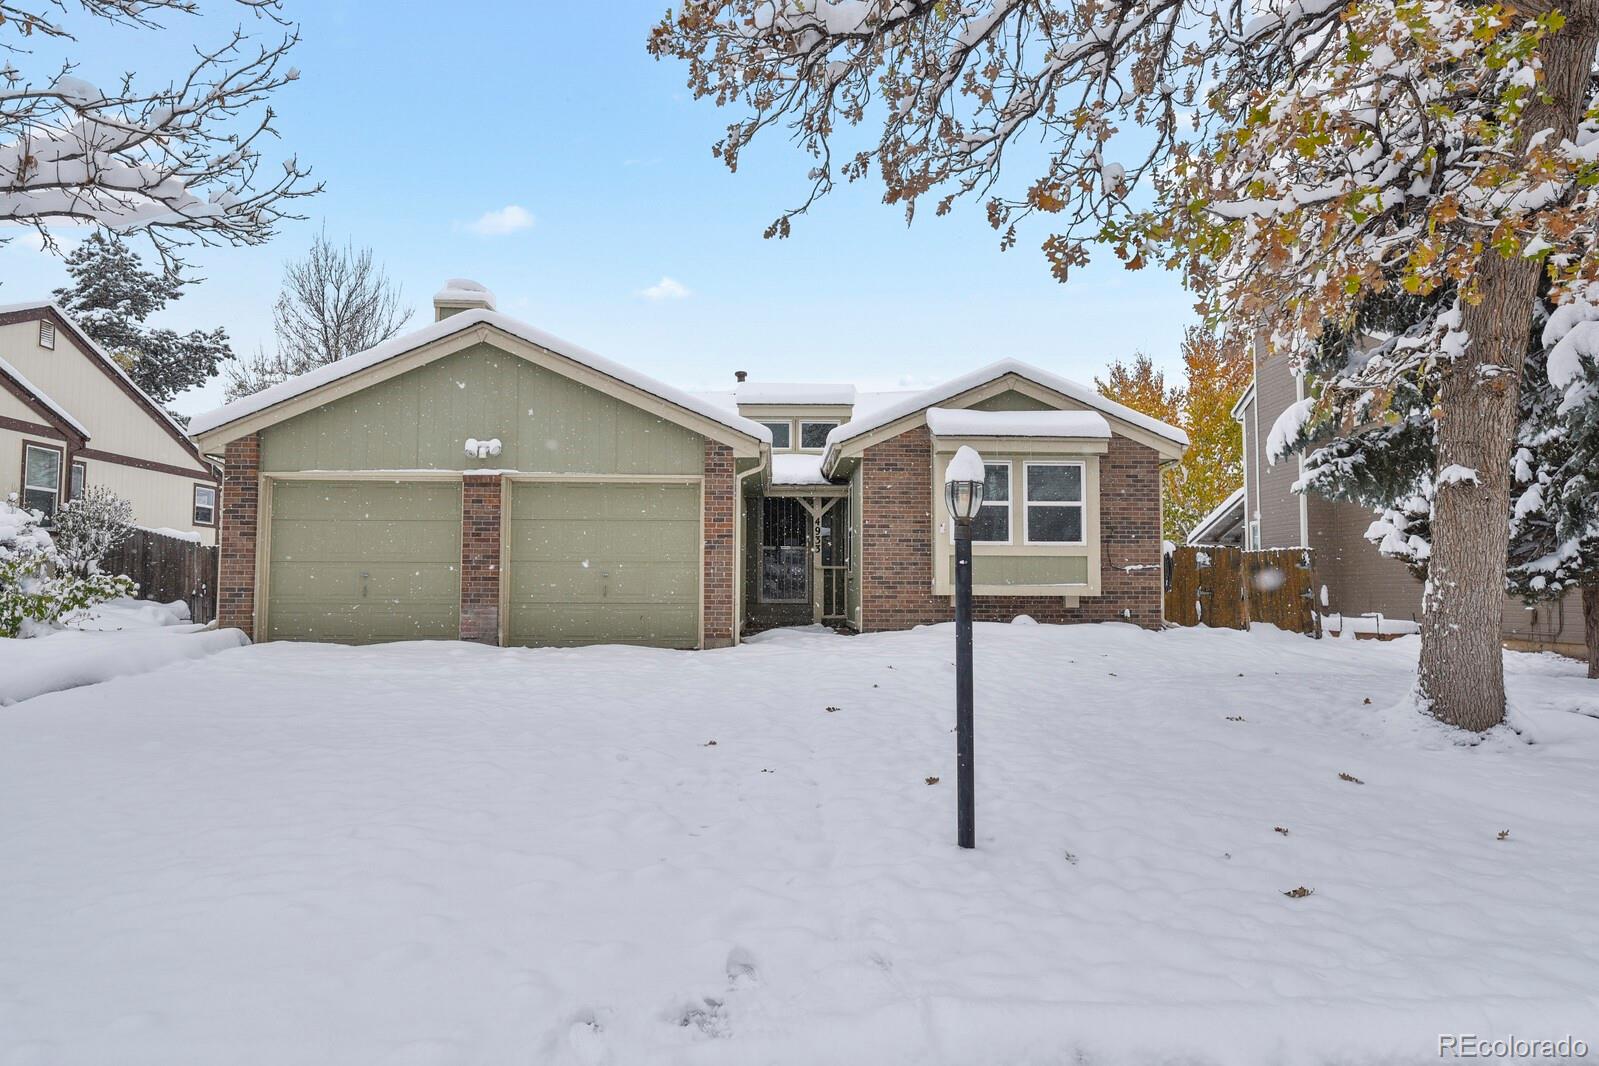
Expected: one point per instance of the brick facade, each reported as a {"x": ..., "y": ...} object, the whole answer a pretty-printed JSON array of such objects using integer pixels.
[
  {"x": 721, "y": 498},
  {"x": 480, "y": 558},
  {"x": 241, "y": 504},
  {"x": 897, "y": 542}
]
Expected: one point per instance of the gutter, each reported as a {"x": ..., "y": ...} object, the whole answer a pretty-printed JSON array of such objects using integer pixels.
[{"x": 738, "y": 543}]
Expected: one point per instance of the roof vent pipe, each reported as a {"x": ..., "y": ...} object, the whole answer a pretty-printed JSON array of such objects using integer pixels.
[{"x": 740, "y": 375}]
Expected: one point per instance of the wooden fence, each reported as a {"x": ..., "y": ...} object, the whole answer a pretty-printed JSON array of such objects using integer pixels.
[
  {"x": 1228, "y": 588},
  {"x": 167, "y": 569}
]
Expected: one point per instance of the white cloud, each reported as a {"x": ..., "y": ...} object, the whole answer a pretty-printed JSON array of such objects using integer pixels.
[
  {"x": 666, "y": 289},
  {"x": 508, "y": 219}
]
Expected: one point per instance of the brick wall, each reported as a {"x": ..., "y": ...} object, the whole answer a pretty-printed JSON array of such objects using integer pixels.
[
  {"x": 241, "y": 502},
  {"x": 480, "y": 558},
  {"x": 721, "y": 494},
  {"x": 897, "y": 542}
]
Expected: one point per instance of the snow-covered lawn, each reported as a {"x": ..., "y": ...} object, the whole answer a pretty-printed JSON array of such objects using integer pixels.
[
  {"x": 446, "y": 854},
  {"x": 123, "y": 636}
]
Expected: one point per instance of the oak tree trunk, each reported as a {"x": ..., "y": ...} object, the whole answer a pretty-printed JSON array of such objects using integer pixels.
[
  {"x": 1590, "y": 625},
  {"x": 1462, "y": 676}
]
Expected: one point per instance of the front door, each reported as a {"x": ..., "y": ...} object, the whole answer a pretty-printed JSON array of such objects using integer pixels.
[{"x": 785, "y": 559}]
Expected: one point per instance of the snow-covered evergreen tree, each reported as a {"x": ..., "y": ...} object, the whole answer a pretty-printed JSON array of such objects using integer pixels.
[{"x": 111, "y": 296}]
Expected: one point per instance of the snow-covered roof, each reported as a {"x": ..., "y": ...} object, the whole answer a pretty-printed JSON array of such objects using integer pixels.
[
  {"x": 797, "y": 468},
  {"x": 434, "y": 331},
  {"x": 39, "y": 394},
  {"x": 1228, "y": 512},
  {"x": 956, "y": 422},
  {"x": 783, "y": 393},
  {"x": 909, "y": 405},
  {"x": 84, "y": 340}
]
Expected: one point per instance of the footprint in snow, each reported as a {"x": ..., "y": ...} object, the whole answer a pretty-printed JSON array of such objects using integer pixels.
[
  {"x": 741, "y": 968},
  {"x": 705, "y": 1016},
  {"x": 585, "y": 1036}
]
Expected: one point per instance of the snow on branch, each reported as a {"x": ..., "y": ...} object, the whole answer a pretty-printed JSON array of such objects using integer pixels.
[{"x": 181, "y": 163}]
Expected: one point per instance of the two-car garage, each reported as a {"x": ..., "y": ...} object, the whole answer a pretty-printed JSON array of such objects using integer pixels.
[{"x": 362, "y": 561}]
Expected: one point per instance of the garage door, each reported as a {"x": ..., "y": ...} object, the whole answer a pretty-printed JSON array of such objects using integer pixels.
[
  {"x": 364, "y": 561},
  {"x": 604, "y": 564}
]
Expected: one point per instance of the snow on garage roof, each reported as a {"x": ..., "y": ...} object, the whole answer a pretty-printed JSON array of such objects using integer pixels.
[
  {"x": 390, "y": 349},
  {"x": 7, "y": 370},
  {"x": 956, "y": 422},
  {"x": 892, "y": 412},
  {"x": 803, "y": 394}
]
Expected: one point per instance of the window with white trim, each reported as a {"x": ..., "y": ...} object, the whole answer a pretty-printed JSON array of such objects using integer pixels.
[
  {"x": 782, "y": 438},
  {"x": 205, "y": 505},
  {"x": 1054, "y": 503},
  {"x": 41, "y": 478},
  {"x": 992, "y": 522},
  {"x": 813, "y": 435},
  {"x": 80, "y": 478},
  {"x": 47, "y": 335}
]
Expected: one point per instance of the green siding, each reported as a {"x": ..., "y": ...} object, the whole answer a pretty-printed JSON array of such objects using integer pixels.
[
  {"x": 1029, "y": 570},
  {"x": 604, "y": 564},
  {"x": 1011, "y": 400},
  {"x": 356, "y": 562},
  {"x": 546, "y": 422}
]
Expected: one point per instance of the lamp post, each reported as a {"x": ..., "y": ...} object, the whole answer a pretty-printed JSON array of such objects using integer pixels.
[{"x": 963, "y": 495}]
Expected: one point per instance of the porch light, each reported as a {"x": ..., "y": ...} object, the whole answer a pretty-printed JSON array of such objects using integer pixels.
[{"x": 963, "y": 495}]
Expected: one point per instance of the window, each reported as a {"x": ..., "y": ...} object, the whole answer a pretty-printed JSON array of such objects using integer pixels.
[
  {"x": 80, "y": 476},
  {"x": 992, "y": 524},
  {"x": 1055, "y": 503},
  {"x": 814, "y": 434},
  {"x": 47, "y": 335},
  {"x": 205, "y": 505},
  {"x": 781, "y": 431},
  {"x": 41, "y": 478},
  {"x": 1252, "y": 536}
]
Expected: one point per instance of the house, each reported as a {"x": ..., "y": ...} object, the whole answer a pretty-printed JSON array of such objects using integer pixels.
[
  {"x": 1224, "y": 525},
  {"x": 480, "y": 479},
  {"x": 1359, "y": 587},
  {"x": 70, "y": 417}
]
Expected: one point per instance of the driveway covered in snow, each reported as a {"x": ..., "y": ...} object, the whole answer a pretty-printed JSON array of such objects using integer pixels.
[{"x": 446, "y": 854}]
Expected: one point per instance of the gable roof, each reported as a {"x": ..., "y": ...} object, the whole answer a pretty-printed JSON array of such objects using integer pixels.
[
  {"x": 1228, "y": 513},
  {"x": 280, "y": 395},
  {"x": 99, "y": 357},
  {"x": 948, "y": 390},
  {"x": 36, "y": 398}
]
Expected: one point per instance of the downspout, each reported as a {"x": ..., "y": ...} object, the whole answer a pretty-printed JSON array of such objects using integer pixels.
[{"x": 738, "y": 544}]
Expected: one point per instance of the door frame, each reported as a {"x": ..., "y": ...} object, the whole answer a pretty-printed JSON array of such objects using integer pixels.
[
  {"x": 508, "y": 483},
  {"x": 263, "y": 519}
]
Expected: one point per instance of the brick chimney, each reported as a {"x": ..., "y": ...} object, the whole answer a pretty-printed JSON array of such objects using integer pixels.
[{"x": 461, "y": 294}]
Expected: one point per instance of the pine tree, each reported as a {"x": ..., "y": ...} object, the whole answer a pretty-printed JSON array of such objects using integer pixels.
[{"x": 111, "y": 296}]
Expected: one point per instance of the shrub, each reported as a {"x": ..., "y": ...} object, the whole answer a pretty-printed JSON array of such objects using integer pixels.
[
  {"x": 36, "y": 585},
  {"x": 87, "y": 528}
]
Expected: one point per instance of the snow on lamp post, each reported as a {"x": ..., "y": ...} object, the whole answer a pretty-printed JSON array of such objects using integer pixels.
[{"x": 963, "y": 495}]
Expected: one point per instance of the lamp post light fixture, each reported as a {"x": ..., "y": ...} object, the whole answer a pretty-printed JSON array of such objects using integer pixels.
[{"x": 963, "y": 495}]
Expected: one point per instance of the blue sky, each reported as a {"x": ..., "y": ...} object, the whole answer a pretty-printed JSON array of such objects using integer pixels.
[{"x": 421, "y": 123}]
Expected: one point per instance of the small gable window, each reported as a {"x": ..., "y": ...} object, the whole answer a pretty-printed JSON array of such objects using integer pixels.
[
  {"x": 205, "y": 505},
  {"x": 47, "y": 335}
]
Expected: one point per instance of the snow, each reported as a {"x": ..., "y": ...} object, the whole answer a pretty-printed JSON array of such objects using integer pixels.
[
  {"x": 452, "y": 854},
  {"x": 39, "y": 394},
  {"x": 1455, "y": 474},
  {"x": 1373, "y": 623},
  {"x": 863, "y": 422},
  {"x": 1286, "y": 429},
  {"x": 176, "y": 534},
  {"x": 966, "y": 465},
  {"x": 797, "y": 468},
  {"x": 459, "y": 323},
  {"x": 465, "y": 290},
  {"x": 114, "y": 639},
  {"x": 947, "y": 422},
  {"x": 782, "y": 394}
]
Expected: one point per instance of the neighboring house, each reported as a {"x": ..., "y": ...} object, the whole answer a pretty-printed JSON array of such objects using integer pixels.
[
  {"x": 482, "y": 480},
  {"x": 70, "y": 418},
  {"x": 1224, "y": 525},
  {"x": 1359, "y": 587}
]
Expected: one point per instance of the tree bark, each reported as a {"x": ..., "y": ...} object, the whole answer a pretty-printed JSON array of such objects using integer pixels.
[
  {"x": 1462, "y": 676},
  {"x": 1590, "y": 625}
]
